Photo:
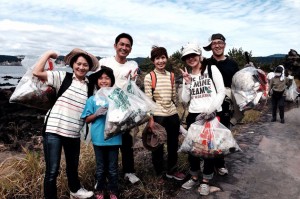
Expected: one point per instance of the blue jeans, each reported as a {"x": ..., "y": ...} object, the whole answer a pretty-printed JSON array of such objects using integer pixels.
[
  {"x": 53, "y": 145},
  {"x": 107, "y": 167}
]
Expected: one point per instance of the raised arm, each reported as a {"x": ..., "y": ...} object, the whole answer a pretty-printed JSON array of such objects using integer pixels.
[{"x": 38, "y": 70}]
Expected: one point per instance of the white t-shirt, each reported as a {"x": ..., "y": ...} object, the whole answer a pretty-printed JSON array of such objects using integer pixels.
[{"x": 120, "y": 70}]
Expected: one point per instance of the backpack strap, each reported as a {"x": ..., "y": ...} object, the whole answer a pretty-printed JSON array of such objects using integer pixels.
[
  {"x": 172, "y": 77},
  {"x": 153, "y": 80},
  {"x": 210, "y": 74},
  {"x": 63, "y": 87},
  {"x": 66, "y": 83}
]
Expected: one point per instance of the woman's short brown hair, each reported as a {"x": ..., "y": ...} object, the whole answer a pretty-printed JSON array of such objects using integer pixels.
[{"x": 157, "y": 52}]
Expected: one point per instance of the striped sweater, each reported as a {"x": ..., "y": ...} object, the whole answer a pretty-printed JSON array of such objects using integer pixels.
[
  {"x": 64, "y": 118},
  {"x": 163, "y": 94}
]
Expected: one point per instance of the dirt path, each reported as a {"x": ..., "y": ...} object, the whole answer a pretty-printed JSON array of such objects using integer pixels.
[{"x": 267, "y": 168}]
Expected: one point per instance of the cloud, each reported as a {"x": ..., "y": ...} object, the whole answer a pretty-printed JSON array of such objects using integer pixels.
[{"x": 32, "y": 27}]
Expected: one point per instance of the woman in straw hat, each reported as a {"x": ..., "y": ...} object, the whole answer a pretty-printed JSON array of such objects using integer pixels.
[{"x": 63, "y": 122}]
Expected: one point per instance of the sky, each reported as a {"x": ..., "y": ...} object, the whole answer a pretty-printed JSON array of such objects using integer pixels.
[{"x": 262, "y": 27}]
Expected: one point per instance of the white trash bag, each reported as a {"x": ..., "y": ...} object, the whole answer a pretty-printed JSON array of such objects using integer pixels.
[
  {"x": 125, "y": 110},
  {"x": 31, "y": 91},
  {"x": 249, "y": 87},
  {"x": 291, "y": 92},
  {"x": 209, "y": 139}
]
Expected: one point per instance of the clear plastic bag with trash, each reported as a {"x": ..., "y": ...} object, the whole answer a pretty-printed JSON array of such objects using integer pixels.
[
  {"x": 209, "y": 139},
  {"x": 125, "y": 110},
  {"x": 31, "y": 91}
]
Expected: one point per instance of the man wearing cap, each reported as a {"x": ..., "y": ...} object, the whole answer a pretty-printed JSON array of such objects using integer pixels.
[
  {"x": 124, "y": 68},
  {"x": 228, "y": 67}
]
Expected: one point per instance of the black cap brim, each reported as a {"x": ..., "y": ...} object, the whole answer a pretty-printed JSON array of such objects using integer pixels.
[{"x": 207, "y": 48}]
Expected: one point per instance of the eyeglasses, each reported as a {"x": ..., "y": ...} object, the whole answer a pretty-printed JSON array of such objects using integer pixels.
[{"x": 220, "y": 43}]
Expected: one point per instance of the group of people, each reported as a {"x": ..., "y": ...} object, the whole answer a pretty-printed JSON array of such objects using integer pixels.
[{"x": 76, "y": 105}]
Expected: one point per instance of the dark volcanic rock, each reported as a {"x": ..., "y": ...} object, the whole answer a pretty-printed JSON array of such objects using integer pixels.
[{"x": 18, "y": 123}]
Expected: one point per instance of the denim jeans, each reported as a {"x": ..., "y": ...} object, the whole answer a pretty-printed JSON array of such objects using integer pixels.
[
  {"x": 127, "y": 153},
  {"x": 171, "y": 124},
  {"x": 53, "y": 145},
  {"x": 107, "y": 167}
]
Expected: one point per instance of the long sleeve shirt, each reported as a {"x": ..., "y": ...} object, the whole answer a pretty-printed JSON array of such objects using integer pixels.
[
  {"x": 164, "y": 94},
  {"x": 204, "y": 95}
]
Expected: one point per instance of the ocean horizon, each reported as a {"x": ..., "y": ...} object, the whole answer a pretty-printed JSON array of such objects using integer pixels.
[{"x": 11, "y": 75}]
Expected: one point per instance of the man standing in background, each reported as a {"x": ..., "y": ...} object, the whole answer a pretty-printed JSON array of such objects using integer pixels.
[{"x": 228, "y": 67}]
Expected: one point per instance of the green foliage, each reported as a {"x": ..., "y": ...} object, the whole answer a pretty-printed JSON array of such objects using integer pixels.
[{"x": 239, "y": 56}]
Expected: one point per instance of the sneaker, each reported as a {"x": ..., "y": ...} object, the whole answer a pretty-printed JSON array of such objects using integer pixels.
[
  {"x": 100, "y": 195},
  {"x": 176, "y": 175},
  {"x": 203, "y": 189},
  {"x": 222, "y": 171},
  {"x": 273, "y": 119},
  {"x": 112, "y": 196},
  {"x": 131, "y": 177},
  {"x": 81, "y": 194},
  {"x": 282, "y": 121},
  {"x": 190, "y": 183}
]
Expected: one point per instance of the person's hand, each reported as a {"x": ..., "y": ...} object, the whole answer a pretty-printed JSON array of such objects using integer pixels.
[
  {"x": 135, "y": 74},
  {"x": 186, "y": 76},
  {"x": 151, "y": 122},
  {"x": 205, "y": 116},
  {"x": 270, "y": 92},
  {"x": 101, "y": 111},
  {"x": 51, "y": 54}
]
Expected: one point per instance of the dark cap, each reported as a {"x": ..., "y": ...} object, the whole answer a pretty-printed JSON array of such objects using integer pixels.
[{"x": 213, "y": 37}]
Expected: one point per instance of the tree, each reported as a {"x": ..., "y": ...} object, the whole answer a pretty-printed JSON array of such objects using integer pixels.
[{"x": 239, "y": 56}]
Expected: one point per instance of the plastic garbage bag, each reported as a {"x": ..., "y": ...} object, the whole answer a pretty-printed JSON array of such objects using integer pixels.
[
  {"x": 132, "y": 88},
  {"x": 209, "y": 139},
  {"x": 249, "y": 87},
  {"x": 125, "y": 110},
  {"x": 31, "y": 91},
  {"x": 291, "y": 92}
]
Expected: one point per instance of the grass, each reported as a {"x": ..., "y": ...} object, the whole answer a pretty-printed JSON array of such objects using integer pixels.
[{"x": 22, "y": 177}]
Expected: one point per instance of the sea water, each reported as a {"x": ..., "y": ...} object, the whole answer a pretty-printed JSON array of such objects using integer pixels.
[
  {"x": 6, "y": 72},
  {"x": 15, "y": 73}
]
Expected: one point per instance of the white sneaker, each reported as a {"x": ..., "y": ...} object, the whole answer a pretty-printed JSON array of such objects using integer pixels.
[
  {"x": 82, "y": 193},
  {"x": 222, "y": 171},
  {"x": 203, "y": 189},
  {"x": 190, "y": 184},
  {"x": 131, "y": 177}
]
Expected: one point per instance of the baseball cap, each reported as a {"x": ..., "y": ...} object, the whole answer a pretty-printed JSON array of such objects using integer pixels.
[
  {"x": 190, "y": 48},
  {"x": 213, "y": 37}
]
